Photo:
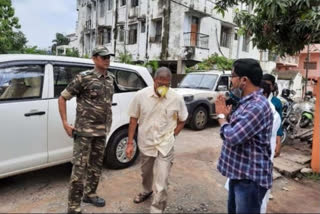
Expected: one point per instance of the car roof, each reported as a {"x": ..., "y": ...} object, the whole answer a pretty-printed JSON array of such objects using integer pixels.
[
  {"x": 212, "y": 72},
  {"x": 25, "y": 57}
]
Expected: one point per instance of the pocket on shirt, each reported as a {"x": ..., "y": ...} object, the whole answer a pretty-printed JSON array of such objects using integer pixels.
[{"x": 171, "y": 114}]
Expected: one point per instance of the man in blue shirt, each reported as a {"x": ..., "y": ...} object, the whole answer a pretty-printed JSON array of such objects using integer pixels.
[
  {"x": 271, "y": 81},
  {"x": 245, "y": 155}
]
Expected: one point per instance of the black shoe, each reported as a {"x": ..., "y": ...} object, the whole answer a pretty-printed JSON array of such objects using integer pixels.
[{"x": 97, "y": 201}]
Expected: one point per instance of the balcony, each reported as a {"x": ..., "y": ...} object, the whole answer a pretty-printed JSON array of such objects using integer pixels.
[{"x": 197, "y": 40}]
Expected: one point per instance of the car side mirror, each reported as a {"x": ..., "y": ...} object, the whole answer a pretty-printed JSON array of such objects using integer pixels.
[{"x": 222, "y": 88}]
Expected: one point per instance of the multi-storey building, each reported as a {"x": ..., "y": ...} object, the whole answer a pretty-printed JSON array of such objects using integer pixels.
[{"x": 173, "y": 32}]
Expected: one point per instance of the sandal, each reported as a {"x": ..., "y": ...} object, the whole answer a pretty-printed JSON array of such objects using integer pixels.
[{"x": 141, "y": 197}]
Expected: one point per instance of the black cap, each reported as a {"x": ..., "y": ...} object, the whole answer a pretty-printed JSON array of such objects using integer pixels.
[{"x": 249, "y": 68}]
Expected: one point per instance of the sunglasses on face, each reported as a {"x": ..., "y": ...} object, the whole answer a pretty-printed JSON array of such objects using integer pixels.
[{"x": 105, "y": 57}]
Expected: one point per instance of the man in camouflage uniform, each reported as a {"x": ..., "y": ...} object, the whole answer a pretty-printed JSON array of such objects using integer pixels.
[{"x": 94, "y": 90}]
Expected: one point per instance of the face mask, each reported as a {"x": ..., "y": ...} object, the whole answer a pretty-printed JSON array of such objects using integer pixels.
[
  {"x": 237, "y": 92},
  {"x": 162, "y": 90}
]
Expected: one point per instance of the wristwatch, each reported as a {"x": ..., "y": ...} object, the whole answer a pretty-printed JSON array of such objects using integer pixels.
[{"x": 221, "y": 116}]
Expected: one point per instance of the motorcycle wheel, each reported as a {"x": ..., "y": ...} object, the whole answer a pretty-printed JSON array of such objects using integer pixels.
[
  {"x": 304, "y": 122},
  {"x": 284, "y": 137}
]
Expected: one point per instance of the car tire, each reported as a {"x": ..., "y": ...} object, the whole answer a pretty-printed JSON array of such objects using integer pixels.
[
  {"x": 199, "y": 118},
  {"x": 115, "y": 157}
]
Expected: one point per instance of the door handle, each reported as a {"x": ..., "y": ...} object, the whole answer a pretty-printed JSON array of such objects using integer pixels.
[
  {"x": 34, "y": 113},
  {"x": 114, "y": 104}
]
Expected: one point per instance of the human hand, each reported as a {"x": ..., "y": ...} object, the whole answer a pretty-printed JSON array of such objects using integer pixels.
[
  {"x": 221, "y": 107},
  {"x": 129, "y": 150},
  {"x": 68, "y": 128}
]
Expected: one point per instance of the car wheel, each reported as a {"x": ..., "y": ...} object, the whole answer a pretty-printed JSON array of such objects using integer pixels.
[
  {"x": 199, "y": 118},
  {"x": 115, "y": 154}
]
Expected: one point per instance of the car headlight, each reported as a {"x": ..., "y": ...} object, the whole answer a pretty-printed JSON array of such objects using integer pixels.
[
  {"x": 188, "y": 98},
  {"x": 293, "y": 119}
]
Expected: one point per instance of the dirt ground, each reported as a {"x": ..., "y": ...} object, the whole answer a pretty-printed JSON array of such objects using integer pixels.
[{"x": 195, "y": 185}]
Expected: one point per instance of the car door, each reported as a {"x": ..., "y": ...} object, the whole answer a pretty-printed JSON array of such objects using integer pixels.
[
  {"x": 23, "y": 113},
  {"x": 128, "y": 82},
  {"x": 60, "y": 145}
]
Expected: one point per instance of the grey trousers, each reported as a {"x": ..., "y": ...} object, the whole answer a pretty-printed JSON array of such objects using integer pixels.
[{"x": 155, "y": 171}]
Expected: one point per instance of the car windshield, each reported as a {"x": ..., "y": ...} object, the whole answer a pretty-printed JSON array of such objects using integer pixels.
[{"x": 199, "y": 81}]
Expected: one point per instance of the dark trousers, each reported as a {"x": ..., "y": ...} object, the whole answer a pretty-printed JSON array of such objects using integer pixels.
[
  {"x": 245, "y": 196},
  {"x": 87, "y": 163}
]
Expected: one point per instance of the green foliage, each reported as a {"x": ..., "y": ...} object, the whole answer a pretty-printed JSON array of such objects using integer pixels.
[
  {"x": 125, "y": 58},
  {"x": 313, "y": 176},
  {"x": 152, "y": 64},
  {"x": 59, "y": 40},
  {"x": 213, "y": 62},
  {"x": 72, "y": 52},
  {"x": 34, "y": 50},
  {"x": 9, "y": 40},
  {"x": 282, "y": 26},
  {"x": 85, "y": 56}
]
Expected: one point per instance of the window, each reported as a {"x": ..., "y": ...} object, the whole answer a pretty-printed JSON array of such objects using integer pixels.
[
  {"x": 133, "y": 34},
  {"x": 123, "y": 2},
  {"x": 311, "y": 65},
  {"x": 134, "y": 3},
  {"x": 21, "y": 82},
  {"x": 245, "y": 43},
  {"x": 224, "y": 83},
  {"x": 63, "y": 75},
  {"x": 128, "y": 80},
  {"x": 225, "y": 36},
  {"x": 102, "y": 8},
  {"x": 199, "y": 81},
  {"x": 121, "y": 33},
  {"x": 143, "y": 27},
  {"x": 156, "y": 31},
  {"x": 109, "y": 4},
  {"x": 236, "y": 35},
  {"x": 107, "y": 35}
]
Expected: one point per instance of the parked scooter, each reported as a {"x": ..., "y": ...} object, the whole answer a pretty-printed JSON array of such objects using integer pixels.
[
  {"x": 307, "y": 108},
  {"x": 298, "y": 119}
]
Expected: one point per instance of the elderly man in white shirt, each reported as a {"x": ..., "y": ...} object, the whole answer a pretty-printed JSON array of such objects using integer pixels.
[{"x": 161, "y": 114}]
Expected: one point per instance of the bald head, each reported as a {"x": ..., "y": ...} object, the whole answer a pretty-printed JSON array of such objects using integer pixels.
[{"x": 163, "y": 72}]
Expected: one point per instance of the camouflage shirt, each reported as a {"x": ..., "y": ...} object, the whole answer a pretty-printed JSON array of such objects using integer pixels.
[{"x": 94, "y": 100}]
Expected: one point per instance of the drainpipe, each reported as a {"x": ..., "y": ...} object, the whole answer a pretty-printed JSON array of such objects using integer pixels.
[
  {"x": 166, "y": 25},
  {"x": 307, "y": 70},
  {"x": 115, "y": 30},
  {"x": 147, "y": 31}
]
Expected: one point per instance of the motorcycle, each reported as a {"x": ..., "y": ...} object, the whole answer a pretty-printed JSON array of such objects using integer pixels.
[{"x": 298, "y": 117}]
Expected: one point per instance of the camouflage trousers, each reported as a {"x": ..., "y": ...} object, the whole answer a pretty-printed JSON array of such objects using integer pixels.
[{"x": 88, "y": 153}]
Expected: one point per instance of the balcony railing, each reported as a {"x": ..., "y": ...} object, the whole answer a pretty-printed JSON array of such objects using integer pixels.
[{"x": 198, "y": 40}]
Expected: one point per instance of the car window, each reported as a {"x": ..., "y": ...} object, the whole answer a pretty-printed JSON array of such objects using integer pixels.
[
  {"x": 127, "y": 80},
  {"x": 224, "y": 81},
  {"x": 63, "y": 75},
  {"x": 21, "y": 82},
  {"x": 199, "y": 81}
]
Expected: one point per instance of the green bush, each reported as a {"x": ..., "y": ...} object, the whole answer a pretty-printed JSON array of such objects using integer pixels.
[{"x": 213, "y": 62}]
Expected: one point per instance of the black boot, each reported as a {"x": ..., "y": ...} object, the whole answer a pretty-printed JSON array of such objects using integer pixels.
[{"x": 95, "y": 200}]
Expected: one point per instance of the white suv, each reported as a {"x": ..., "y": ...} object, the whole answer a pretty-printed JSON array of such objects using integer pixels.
[
  {"x": 32, "y": 135},
  {"x": 200, "y": 90}
]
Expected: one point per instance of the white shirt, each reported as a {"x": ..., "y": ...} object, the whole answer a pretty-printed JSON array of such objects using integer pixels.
[{"x": 157, "y": 118}]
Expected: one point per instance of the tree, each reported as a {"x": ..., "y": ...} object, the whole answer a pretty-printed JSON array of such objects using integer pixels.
[
  {"x": 281, "y": 26},
  {"x": 18, "y": 41},
  {"x": 59, "y": 40},
  {"x": 34, "y": 50},
  {"x": 8, "y": 23},
  {"x": 213, "y": 62}
]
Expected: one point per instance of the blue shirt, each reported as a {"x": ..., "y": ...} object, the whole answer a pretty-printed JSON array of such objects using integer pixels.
[
  {"x": 246, "y": 138},
  {"x": 278, "y": 106}
]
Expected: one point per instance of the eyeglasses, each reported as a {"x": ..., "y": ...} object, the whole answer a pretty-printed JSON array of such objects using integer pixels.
[{"x": 105, "y": 57}]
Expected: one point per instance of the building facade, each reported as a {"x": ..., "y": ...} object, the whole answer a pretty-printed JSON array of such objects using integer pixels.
[{"x": 176, "y": 33}]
